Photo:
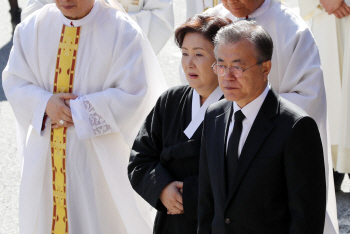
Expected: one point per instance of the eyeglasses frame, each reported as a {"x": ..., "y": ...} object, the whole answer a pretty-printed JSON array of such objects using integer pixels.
[{"x": 240, "y": 68}]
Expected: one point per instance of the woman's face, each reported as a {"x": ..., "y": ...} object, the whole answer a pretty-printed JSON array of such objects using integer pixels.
[{"x": 197, "y": 58}]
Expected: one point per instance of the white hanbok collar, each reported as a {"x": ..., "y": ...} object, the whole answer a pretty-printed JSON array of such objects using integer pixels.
[
  {"x": 264, "y": 7},
  {"x": 196, "y": 103},
  {"x": 198, "y": 111},
  {"x": 83, "y": 21}
]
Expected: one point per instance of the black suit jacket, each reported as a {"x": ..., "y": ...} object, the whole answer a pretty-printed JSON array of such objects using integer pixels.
[{"x": 279, "y": 186}]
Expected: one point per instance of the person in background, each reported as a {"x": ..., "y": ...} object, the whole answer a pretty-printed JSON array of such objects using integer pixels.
[
  {"x": 15, "y": 12},
  {"x": 296, "y": 72},
  {"x": 155, "y": 17},
  {"x": 164, "y": 161},
  {"x": 81, "y": 78},
  {"x": 330, "y": 25}
]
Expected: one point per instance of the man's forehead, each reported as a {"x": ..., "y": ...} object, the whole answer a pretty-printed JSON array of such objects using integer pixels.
[
  {"x": 235, "y": 52},
  {"x": 242, "y": 45}
]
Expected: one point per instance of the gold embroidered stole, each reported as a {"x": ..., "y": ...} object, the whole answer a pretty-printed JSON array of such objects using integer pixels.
[{"x": 64, "y": 77}]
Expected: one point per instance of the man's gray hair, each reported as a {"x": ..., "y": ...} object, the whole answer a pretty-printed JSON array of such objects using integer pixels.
[{"x": 246, "y": 30}]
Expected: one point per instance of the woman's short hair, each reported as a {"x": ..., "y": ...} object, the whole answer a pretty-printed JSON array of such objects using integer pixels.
[{"x": 206, "y": 25}]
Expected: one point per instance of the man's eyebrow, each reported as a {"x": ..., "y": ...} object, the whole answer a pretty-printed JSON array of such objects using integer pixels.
[{"x": 234, "y": 61}]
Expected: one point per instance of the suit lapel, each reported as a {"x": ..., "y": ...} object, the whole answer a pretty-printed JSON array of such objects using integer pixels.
[
  {"x": 259, "y": 131},
  {"x": 221, "y": 127}
]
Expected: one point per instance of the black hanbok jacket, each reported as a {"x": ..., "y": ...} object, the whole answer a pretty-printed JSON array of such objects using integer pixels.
[{"x": 162, "y": 153}]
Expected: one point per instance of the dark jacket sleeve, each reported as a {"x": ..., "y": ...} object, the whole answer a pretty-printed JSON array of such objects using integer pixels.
[
  {"x": 205, "y": 199},
  {"x": 146, "y": 174},
  {"x": 305, "y": 176}
]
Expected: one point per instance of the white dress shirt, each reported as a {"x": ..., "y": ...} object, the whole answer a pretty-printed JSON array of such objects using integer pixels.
[{"x": 250, "y": 112}]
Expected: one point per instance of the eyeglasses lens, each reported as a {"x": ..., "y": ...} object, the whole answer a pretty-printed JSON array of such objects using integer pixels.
[{"x": 221, "y": 70}]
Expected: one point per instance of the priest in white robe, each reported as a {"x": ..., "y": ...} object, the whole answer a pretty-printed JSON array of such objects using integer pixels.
[
  {"x": 296, "y": 72},
  {"x": 155, "y": 17},
  {"x": 330, "y": 24},
  {"x": 80, "y": 79}
]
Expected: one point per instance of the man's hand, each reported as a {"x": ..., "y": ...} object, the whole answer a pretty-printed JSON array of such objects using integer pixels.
[
  {"x": 171, "y": 197},
  {"x": 57, "y": 110},
  {"x": 330, "y": 5},
  {"x": 342, "y": 11}
]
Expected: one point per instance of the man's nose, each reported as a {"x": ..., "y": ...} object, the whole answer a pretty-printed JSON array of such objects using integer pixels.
[{"x": 229, "y": 75}]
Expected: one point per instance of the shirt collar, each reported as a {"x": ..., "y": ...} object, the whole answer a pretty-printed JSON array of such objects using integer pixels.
[
  {"x": 196, "y": 103},
  {"x": 251, "y": 110},
  {"x": 82, "y": 21}
]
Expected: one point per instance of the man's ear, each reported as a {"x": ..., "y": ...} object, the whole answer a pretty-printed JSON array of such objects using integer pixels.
[{"x": 266, "y": 68}]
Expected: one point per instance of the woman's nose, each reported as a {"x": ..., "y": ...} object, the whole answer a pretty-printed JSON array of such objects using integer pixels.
[{"x": 190, "y": 62}]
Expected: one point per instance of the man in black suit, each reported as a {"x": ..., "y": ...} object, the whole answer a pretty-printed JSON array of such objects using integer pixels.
[{"x": 261, "y": 163}]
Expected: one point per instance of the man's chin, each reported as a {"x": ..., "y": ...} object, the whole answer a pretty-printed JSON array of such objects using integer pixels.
[
  {"x": 239, "y": 13},
  {"x": 71, "y": 16},
  {"x": 230, "y": 97}
]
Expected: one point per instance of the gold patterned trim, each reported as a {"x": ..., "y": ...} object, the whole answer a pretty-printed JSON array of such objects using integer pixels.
[{"x": 63, "y": 83}]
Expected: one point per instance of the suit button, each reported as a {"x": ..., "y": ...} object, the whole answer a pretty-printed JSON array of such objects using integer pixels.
[{"x": 227, "y": 221}]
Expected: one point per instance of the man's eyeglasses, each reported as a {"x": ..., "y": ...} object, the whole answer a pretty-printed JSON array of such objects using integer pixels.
[{"x": 235, "y": 70}]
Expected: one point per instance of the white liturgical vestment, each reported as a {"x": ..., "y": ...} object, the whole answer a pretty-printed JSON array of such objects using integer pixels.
[
  {"x": 333, "y": 39},
  {"x": 155, "y": 17},
  {"x": 296, "y": 75},
  {"x": 117, "y": 80},
  {"x": 199, "y": 6}
]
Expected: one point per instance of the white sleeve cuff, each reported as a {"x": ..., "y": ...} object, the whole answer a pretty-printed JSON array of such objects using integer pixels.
[
  {"x": 37, "y": 120},
  {"x": 81, "y": 118},
  {"x": 88, "y": 120}
]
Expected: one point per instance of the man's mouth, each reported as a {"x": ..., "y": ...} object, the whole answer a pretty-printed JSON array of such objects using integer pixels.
[{"x": 192, "y": 75}]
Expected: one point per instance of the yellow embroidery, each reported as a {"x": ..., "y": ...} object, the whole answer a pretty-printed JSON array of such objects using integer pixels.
[{"x": 64, "y": 77}]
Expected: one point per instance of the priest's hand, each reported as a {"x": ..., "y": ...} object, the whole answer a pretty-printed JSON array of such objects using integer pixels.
[
  {"x": 342, "y": 11},
  {"x": 57, "y": 110},
  {"x": 330, "y": 5},
  {"x": 171, "y": 197}
]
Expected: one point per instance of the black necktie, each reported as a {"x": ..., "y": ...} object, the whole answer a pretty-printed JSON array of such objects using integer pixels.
[{"x": 232, "y": 150}]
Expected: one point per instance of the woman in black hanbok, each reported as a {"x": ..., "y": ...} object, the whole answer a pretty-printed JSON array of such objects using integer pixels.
[{"x": 164, "y": 162}]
